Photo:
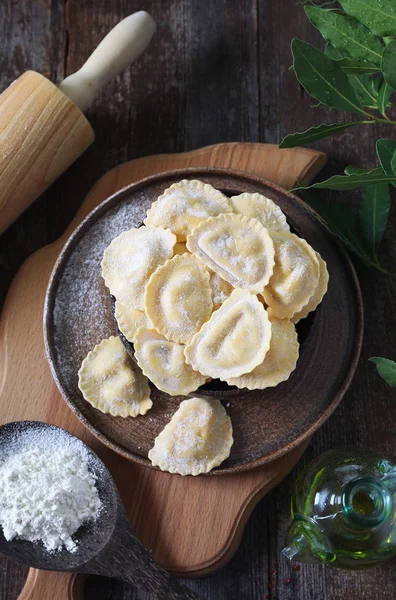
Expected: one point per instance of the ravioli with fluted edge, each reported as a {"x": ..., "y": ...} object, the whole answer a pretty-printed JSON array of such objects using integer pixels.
[
  {"x": 163, "y": 362},
  {"x": 178, "y": 298},
  {"x": 210, "y": 287},
  {"x": 184, "y": 205},
  {"x": 295, "y": 277},
  {"x": 279, "y": 362},
  {"x": 110, "y": 381},
  {"x": 318, "y": 294},
  {"x": 259, "y": 207},
  {"x": 129, "y": 320},
  {"x": 131, "y": 258},
  {"x": 197, "y": 439},
  {"x": 237, "y": 248},
  {"x": 234, "y": 340}
]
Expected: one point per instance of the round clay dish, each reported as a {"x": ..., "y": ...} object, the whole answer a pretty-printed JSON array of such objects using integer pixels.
[{"x": 268, "y": 423}]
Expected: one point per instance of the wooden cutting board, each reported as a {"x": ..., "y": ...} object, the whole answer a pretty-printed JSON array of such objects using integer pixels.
[{"x": 177, "y": 518}]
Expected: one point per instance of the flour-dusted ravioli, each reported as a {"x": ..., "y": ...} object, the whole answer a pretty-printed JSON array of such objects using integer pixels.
[
  {"x": 237, "y": 248},
  {"x": 234, "y": 340},
  {"x": 178, "y": 298},
  {"x": 164, "y": 364},
  {"x": 185, "y": 204},
  {"x": 197, "y": 439},
  {"x": 279, "y": 362},
  {"x": 221, "y": 290},
  {"x": 110, "y": 381},
  {"x": 259, "y": 207},
  {"x": 318, "y": 294},
  {"x": 131, "y": 258},
  {"x": 295, "y": 277},
  {"x": 129, "y": 320}
]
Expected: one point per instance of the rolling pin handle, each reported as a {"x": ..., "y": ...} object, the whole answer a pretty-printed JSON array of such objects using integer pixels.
[{"x": 121, "y": 46}]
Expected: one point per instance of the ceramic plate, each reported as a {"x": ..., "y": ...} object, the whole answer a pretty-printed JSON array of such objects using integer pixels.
[{"x": 268, "y": 423}]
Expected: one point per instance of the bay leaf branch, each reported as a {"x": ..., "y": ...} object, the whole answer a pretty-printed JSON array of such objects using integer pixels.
[{"x": 314, "y": 134}]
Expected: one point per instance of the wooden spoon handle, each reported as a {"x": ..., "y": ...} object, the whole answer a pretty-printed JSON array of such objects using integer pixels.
[
  {"x": 126, "y": 558},
  {"x": 115, "y": 52}
]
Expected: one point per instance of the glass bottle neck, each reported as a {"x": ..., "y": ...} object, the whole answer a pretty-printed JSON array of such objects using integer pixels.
[{"x": 366, "y": 502}]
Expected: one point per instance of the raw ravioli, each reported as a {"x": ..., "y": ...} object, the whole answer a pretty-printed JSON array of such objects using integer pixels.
[
  {"x": 237, "y": 248},
  {"x": 197, "y": 439},
  {"x": 164, "y": 364},
  {"x": 110, "y": 381}
]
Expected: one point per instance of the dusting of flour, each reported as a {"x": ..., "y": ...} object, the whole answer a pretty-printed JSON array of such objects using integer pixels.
[
  {"x": 47, "y": 490},
  {"x": 82, "y": 312}
]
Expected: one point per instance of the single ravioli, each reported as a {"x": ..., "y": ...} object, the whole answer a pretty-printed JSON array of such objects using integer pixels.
[
  {"x": 129, "y": 320},
  {"x": 234, "y": 340},
  {"x": 197, "y": 439},
  {"x": 237, "y": 248},
  {"x": 184, "y": 205},
  {"x": 295, "y": 278},
  {"x": 259, "y": 207},
  {"x": 279, "y": 362},
  {"x": 318, "y": 294},
  {"x": 178, "y": 298},
  {"x": 109, "y": 381},
  {"x": 221, "y": 290},
  {"x": 131, "y": 258},
  {"x": 164, "y": 364}
]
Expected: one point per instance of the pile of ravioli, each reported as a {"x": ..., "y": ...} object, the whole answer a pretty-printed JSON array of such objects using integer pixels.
[{"x": 210, "y": 287}]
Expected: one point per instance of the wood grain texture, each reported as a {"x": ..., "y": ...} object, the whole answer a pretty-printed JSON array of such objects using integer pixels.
[
  {"x": 41, "y": 134},
  {"x": 160, "y": 506},
  {"x": 216, "y": 71}
]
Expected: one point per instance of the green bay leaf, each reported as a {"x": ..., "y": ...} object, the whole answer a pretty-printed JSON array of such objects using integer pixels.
[
  {"x": 314, "y": 134},
  {"x": 346, "y": 34},
  {"x": 340, "y": 221},
  {"x": 389, "y": 64},
  {"x": 323, "y": 78},
  {"x": 333, "y": 53},
  {"x": 356, "y": 67},
  {"x": 364, "y": 89},
  {"x": 377, "y": 15},
  {"x": 374, "y": 215},
  {"x": 375, "y": 83},
  {"x": 384, "y": 94},
  {"x": 351, "y": 182},
  {"x": 386, "y": 149},
  {"x": 350, "y": 170},
  {"x": 386, "y": 368},
  {"x": 393, "y": 162},
  {"x": 362, "y": 83}
]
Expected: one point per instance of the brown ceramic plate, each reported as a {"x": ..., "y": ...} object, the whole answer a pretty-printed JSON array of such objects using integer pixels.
[{"x": 266, "y": 423}]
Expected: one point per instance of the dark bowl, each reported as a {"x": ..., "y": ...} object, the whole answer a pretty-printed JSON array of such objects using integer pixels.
[{"x": 267, "y": 423}]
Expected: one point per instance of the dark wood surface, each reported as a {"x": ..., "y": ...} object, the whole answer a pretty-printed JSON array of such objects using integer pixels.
[{"x": 217, "y": 71}]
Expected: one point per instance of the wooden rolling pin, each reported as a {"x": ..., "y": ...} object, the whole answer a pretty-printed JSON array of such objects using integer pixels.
[{"x": 42, "y": 127}]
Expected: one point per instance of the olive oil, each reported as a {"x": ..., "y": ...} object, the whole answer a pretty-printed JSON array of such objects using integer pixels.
[{"x": 344, "y": 511}]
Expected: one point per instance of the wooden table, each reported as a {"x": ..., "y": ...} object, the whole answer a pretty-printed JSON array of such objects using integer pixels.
[{"x": 217, "y": 71}]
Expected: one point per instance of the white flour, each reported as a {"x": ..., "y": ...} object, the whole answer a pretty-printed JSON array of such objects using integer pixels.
[{"x": 46, "y": 489}]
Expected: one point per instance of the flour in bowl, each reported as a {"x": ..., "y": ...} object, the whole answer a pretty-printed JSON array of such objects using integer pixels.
[{"x": 47, "y": 490}]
